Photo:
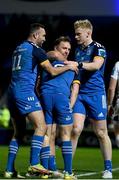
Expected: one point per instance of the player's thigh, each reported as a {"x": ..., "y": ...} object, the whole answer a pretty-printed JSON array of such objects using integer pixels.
[
  {"x": 78, "y": 121},
  {"x": 79, "y": 107},
  {"x": 28, "y": 103},
  {"x": 62, "y": 110},
  {"x": 79, "y": 114},
  {"x": 47, "y": 105},
  {"x": 97, "y": 106}
]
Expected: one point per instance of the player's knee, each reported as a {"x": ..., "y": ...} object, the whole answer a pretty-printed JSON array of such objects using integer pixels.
[
  {"x": 41, "y": 127},
  {"x": 101, "y": 134},
  {"x": 76, "y": 131}
]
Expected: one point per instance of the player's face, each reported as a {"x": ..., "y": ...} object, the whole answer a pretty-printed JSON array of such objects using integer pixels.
[
  {"x": 64, "y": 48},
  {"x": 40, "y": 38},
  {"x": 81, "y": 35}
]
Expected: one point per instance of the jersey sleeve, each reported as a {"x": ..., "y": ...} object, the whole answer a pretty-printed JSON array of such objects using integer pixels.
[
  {"x": 77, "y": 78},
  {"x": 40, "y": 55},
  {"x": 100, "y": 50},
  {"x": 115, "y": 71}
]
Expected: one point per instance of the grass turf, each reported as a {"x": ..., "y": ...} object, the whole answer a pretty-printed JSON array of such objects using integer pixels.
[{"x": 86, "y": 160}]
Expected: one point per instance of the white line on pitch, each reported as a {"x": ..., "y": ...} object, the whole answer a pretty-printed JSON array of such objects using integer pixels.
[{"x": 93, "y": 173}]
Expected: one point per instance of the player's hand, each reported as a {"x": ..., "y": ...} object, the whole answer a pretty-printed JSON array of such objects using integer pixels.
[
  {"x": 71, "y": 63},
  {"x": 72, "y": 66}
]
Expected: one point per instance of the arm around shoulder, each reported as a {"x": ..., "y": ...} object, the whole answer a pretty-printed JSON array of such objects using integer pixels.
[{"x": 54, "y": 71}]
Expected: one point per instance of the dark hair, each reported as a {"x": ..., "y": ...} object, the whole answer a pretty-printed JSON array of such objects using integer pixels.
[
  {"x": 34, "y": 27},
  {"x": 62, "y": 38}
]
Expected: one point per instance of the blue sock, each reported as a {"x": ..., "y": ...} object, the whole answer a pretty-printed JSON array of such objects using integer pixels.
[
  {"x": 36, "y": 145},
  {"x": 44, "y": 156},
  {"x": 52, "y": 163},
  {"x": 108, "y": 165},
  {"x": 67, "y": 156},
  {"x": 13, "y": 148}
]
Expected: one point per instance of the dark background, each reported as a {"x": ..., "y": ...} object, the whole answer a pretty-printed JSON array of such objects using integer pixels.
[
  {"x": 13, "y": 30},
  {"x": 58, "y": 16}
]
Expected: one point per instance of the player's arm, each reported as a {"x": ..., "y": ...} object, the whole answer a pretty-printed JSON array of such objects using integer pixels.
[
  {"x": 97, "y": 61},
  {"x": 92, "y": 66},
  {"x": 111, "y": 92},
  {"x": 55, "y": 55},
  {"x": 75, "y": 89},
  {"x": 74, "y": 93},
  {"x": 54, "y": 71},
  {"x": 47, "y": 66}
]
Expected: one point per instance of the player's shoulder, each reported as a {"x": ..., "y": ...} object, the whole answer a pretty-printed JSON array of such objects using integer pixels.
[
  {"x": 25, "y": 45},
  {"x": 117, "y": 64},
  {"x": 38, "y": 50},
  {"x": 100, "y": 49},
  {"x": 98, "y": 45},
  {"x": 20, "y": 47}
]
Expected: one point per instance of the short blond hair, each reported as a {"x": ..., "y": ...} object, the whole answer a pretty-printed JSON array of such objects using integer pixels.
[{"x": 83, "y": 24}]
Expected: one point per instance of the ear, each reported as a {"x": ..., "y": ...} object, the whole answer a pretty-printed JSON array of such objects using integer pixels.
[
  {"x": 89, "y": 32},
  {"x": 55, "y": 47},
  {"x": 35, "y": 34}
]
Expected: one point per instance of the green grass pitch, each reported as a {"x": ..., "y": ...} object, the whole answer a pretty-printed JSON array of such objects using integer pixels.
[{"x": 87, "y": 163}]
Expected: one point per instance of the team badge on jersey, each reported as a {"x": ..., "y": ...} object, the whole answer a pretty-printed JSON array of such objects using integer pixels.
[
  {"x": 101, "y": 52},
  {"x": 89, "y": 51}
]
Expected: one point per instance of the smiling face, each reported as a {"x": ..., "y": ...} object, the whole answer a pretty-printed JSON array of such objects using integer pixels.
[
  {"x": 40, "y": 35},
  {"x": 64, "y": 48}
]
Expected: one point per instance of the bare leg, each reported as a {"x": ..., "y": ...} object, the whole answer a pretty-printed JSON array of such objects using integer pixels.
[
  {"x": 52, "y": 140},
  {"x": 78, "y": 124},
  {"x": 100, "y": 129}
]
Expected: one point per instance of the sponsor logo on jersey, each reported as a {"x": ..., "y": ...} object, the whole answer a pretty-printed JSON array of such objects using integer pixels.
[
  {"x": 101, "y": 115},
  {"x": 27, "y": 107},
  {"x": 68, "y": 118},
  {"x": 89, "y": 51},
  {"x": 31, "y": 98}
]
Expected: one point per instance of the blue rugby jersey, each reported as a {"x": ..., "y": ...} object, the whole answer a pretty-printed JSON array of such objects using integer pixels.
[
  {"x": 91, "y": 81},
  {"x": 57, "y": 84},
  {"x": 26, "y": 60}
]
